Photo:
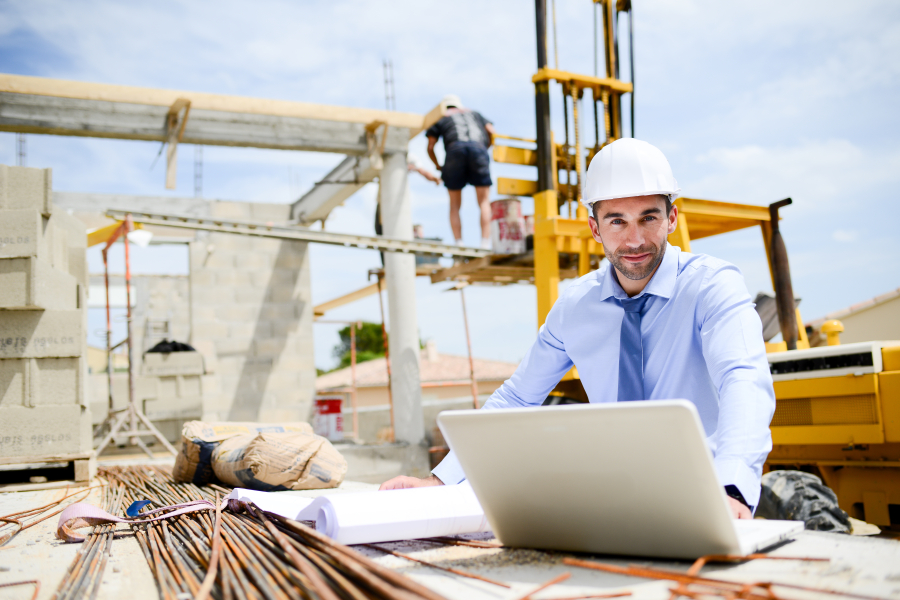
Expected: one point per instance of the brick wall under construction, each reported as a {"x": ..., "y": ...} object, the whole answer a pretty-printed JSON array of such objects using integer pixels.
[{"x": 252, "y": 320}]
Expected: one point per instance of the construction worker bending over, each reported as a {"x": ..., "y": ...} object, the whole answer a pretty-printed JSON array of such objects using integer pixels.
[
  {"x": 652, "y": 323},
  {"x": 467, "y": 137}
]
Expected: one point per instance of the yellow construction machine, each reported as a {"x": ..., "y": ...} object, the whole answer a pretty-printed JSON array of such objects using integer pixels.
[{"x": 838, "y": 407}]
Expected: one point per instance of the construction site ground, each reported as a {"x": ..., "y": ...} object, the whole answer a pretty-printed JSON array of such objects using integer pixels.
[{"x": 865, "y": 566}]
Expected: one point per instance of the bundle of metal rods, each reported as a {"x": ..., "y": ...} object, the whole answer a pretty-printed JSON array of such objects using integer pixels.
[
  {"x": 260, "y": 556},
  {"x": 83, "y": 578}
]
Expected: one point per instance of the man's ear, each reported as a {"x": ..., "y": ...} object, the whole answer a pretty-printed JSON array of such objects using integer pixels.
[
  {"x": 673, "y": 219},
  {"x": 595, "y": 229}
]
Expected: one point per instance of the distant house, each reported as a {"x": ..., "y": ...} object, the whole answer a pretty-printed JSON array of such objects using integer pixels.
[
  {"x": 443, "y": 377},
  {"x": 875, "y": 319}
]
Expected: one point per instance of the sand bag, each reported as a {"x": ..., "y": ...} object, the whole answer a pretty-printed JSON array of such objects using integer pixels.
[
  {"x": 275, "y": 462},
  {"x": 198, "y": 440}
]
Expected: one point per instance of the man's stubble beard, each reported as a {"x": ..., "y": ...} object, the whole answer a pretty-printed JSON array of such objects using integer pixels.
[{"x": 636, "y": 274}]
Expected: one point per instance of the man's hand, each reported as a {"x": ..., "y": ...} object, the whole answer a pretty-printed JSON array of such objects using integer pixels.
[
  {"x": 738, "y": 510},
  {"x": 403, "y": 482}
]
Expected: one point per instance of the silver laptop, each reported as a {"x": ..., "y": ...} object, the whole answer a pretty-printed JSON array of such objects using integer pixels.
[{"x": 631, "y": 478}]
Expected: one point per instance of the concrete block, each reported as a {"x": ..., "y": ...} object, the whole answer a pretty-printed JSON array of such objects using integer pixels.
[
  {"x": 173, "y": 408},
  {"x": 74, "y": 228},
  {"x": 210, "y": 330},
  {"x": 31, "y": 382},
  {"x": 41, "y": 333},
  {"x": 253, "y": 260},
  {"x": 78, "y": 266},
  {"x": 243, "y": 330},
  {"x": 213, "y": 295},
  {"x": 173, "y": 363},
  {"x": 250, "y": 295},
  {"x": 237, "y": 313},
  {"x": 292, "y": 260},
  {"x": 44, "y": 430},
  {"x": 27, "y": 233},
  {"x": 23, "y": 187},
  {"x": 75, "y": 233},
  {"x": 227, "y": 347},
  {"x": 33, "y": 284}
]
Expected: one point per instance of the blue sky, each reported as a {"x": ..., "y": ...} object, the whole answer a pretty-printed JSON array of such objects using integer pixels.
[{"x": 751, "y": 102}]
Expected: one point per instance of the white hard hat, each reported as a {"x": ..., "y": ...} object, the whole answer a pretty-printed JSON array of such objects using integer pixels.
[
  {"x": 628, "y": 167},
  {"x": 452, "y": 100}
]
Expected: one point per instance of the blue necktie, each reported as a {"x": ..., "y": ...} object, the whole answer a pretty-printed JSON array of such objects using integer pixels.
[{"x": 631, "y": 351}]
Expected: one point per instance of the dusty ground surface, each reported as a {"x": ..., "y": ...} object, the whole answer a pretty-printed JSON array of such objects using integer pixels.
[{"x": 860, "y": 565}]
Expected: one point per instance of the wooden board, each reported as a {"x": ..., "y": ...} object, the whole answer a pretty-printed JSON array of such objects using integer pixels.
[{"x": 85, "y": 468}]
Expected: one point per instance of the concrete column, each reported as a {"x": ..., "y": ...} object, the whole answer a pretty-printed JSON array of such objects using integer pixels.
[{"x": 400, "y": 279}]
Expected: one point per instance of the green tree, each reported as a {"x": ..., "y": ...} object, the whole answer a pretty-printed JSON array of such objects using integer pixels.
[{"x": 369, "y": 344}]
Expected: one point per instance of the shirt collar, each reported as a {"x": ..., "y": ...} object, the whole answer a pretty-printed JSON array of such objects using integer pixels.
[{"x": 662, "y": 283}]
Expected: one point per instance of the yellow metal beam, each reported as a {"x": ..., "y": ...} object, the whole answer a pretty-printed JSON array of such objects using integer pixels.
[
  {"x": 515, "y": 156},
  {"x": 681, "y": 237},
  {"x": 359, "y": 294},
  {"x": 546, "y": 256},
  {"x": 507, "y": 186},
  {"x": 582, "y": 81},
  {"x": 724, "y": 210}
]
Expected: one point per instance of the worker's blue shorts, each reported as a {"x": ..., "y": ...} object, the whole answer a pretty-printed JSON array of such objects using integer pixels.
[{"x": 466, "y": 163}]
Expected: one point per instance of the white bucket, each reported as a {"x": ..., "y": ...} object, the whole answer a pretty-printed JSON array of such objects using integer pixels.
[
  {"x": 507, "y": 226},
  {"x": 329, "y": 419}
]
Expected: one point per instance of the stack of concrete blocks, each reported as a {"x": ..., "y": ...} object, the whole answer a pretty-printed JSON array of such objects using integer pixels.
[
  {"x": 171, "y": 388},
  {"x": 43, "y": 318},
  {"x": 252, "y": 320}
]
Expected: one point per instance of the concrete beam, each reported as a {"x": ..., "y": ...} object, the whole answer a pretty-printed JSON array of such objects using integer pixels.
[
  {"x": 79, "y": 90},
  {"x": 342, "y": 182},
  {"x": 30, "y": 113},
  {"x": 400, "y": 276}
]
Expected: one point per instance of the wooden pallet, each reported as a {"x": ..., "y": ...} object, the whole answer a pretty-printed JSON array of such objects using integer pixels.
[{"x": 85, "y": 468}]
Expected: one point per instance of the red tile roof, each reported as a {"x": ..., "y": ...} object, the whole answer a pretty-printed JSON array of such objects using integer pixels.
[{"x": 441, "y": 367}]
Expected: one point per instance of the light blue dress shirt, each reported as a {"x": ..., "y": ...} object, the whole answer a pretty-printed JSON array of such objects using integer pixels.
[{"x": 702, "y": 342}]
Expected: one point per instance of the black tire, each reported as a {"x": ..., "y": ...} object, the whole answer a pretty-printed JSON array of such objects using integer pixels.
[{"x": 799, "y": 496}]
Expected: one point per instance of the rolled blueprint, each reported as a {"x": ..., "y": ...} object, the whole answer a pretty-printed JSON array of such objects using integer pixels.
[{"x": 372, "y": 517}]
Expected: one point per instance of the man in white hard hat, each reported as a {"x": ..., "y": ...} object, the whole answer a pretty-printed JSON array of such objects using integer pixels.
[
  {"x": 652, "y": 323},
  {"x": 467, "y": 137}
]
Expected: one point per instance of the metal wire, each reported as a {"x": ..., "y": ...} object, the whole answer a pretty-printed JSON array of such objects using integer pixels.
[{"x": 259, "y": 557}]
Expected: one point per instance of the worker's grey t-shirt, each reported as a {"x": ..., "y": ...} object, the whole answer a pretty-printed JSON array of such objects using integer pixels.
[{"x": 460, "y": 125}]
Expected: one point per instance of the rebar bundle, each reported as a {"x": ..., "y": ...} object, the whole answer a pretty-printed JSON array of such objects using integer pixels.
[{"x": 252, "y": 556}]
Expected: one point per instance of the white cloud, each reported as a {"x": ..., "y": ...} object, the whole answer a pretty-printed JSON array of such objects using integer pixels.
[{"x": 844, "y": 235}]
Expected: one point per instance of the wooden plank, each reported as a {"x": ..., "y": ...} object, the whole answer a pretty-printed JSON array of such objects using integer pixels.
[
  {"x": 49, "y": 485},
  {"x": 461, "y": 268},
  {"x": 22, "y": 84},
  {"x": 47, "y": 458},
  {"x": 359, "y": 294}
]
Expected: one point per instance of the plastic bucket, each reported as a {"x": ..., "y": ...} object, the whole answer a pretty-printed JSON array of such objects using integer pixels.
[
  {"x": 507, "y": 226},
  {"x": 329, "y": 419}
]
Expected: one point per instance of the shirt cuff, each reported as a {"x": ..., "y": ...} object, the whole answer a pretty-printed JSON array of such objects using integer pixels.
[
  {"x": 449, "y": 471},
  {"x": 735, "y": 472}
]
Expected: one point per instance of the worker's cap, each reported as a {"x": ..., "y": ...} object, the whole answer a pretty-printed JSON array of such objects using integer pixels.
[
  {"x": 628, "y": 167},
  {"x": 452, "y": 100}
]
